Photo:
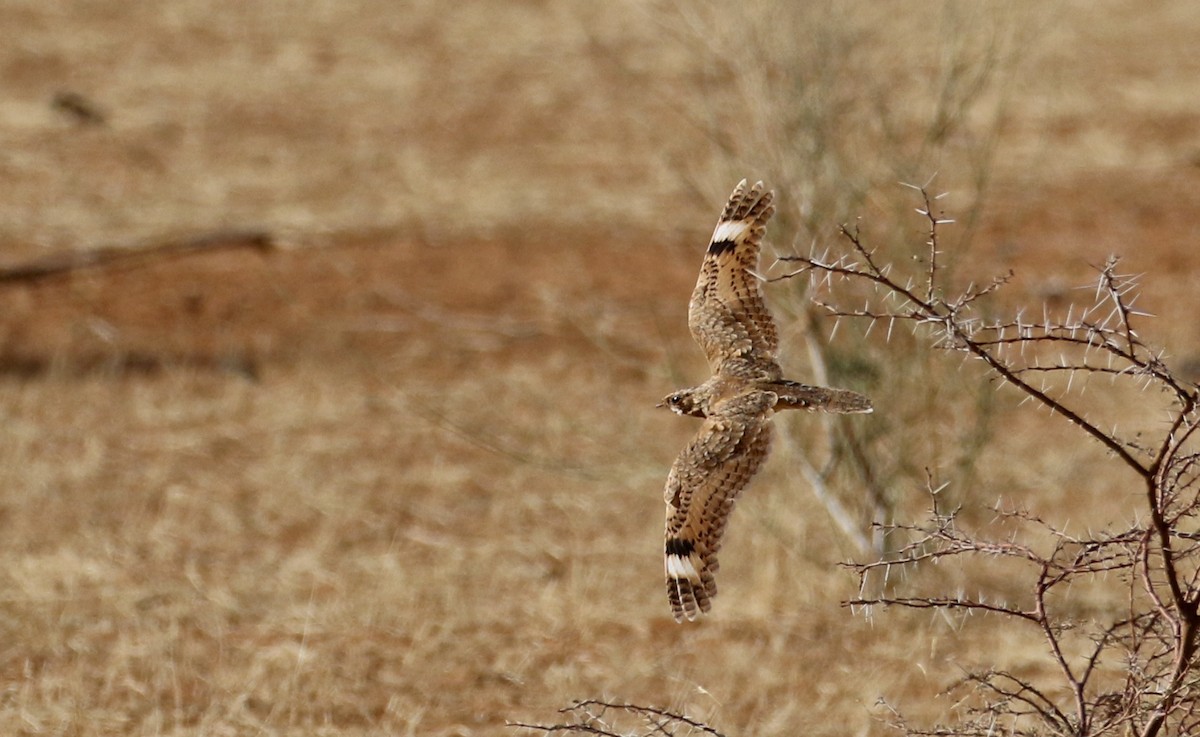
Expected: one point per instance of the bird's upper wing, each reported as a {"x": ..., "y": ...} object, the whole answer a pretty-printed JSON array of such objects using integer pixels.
[
  {"x": 701, "y": 488},
  {"x": 727, "y": 314}
]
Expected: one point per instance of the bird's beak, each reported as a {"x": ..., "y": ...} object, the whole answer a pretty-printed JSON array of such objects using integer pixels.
[{"x": 661, "y": 404}]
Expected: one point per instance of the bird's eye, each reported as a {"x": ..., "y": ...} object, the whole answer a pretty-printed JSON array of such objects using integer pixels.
[{"x": 676, "y": 398}]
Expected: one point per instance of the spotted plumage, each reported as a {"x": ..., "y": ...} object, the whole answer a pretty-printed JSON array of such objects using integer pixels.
[{"x": 730, "y": 321}]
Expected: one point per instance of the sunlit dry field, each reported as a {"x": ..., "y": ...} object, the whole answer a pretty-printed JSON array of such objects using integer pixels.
[{"x": 401, "y": 473}]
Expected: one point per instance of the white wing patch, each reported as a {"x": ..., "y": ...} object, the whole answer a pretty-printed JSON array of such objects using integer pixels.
[
  {"x": 681, "y": 567},
  {"x": 729, "y": 231}
]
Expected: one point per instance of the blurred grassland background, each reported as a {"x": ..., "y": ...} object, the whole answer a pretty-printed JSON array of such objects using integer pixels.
[{"x": 402, "y": 474}]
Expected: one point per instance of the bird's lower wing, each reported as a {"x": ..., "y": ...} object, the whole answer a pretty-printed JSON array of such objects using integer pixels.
[{"x": 701, "y": 489}]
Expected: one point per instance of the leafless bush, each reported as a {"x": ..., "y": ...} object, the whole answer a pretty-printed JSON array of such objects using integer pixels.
[{"x": 1127, "y": 671}]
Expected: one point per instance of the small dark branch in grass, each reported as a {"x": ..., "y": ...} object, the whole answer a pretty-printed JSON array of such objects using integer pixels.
[
  {"x": 126, "y": 255},
  {"x": 612, "y": 719}
]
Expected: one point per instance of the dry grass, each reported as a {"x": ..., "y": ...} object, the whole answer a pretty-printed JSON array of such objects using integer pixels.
[{"x": 403, "y": 476}]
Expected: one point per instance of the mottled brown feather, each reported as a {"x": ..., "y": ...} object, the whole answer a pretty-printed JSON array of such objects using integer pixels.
[
  {"x": 727, "y": 315},
  {"x": 730, "y": 321},
  {"x": 702, "y": 486}
]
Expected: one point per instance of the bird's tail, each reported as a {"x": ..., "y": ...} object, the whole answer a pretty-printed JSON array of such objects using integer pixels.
[{"x": 794, "y": 395}]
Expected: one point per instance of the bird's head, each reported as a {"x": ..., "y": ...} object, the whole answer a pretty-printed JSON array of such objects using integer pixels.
[{"x": 683, "y": 403}]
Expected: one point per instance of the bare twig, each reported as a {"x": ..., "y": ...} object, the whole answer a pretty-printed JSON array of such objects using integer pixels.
[{"x": 610, "y": 719}]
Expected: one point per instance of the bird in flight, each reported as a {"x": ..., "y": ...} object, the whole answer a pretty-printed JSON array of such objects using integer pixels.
[{"x": 729, "y": 319}]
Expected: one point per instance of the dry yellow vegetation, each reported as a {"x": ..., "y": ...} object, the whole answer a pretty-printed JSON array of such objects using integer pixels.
[{"x": 402, "y": 474}]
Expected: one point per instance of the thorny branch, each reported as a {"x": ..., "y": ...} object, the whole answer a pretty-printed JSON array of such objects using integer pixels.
[
  {"x": 1154, "y": 642},
  {"x": 609, "y": 719}
]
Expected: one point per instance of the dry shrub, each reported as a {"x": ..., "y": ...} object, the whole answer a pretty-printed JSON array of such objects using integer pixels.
[{"x": 1116, "y": 608}]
